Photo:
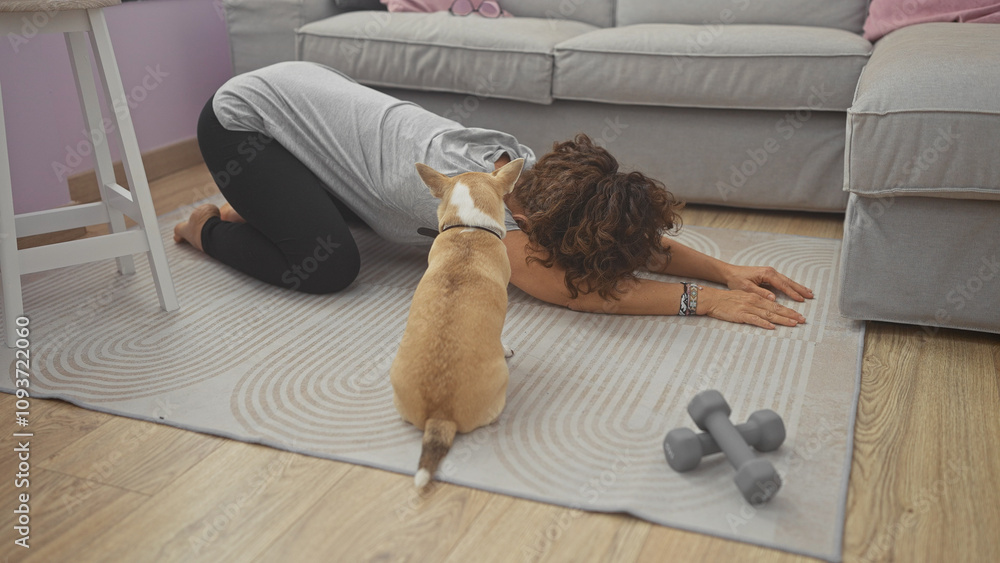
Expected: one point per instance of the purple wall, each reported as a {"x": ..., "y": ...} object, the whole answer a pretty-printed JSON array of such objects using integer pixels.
[{"x": 172, "y": 54}]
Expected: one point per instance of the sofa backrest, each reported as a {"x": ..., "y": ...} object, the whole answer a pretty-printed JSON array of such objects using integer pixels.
[
  {"x": 595, "y": 12},
  {"x": 842, "y": 14}
]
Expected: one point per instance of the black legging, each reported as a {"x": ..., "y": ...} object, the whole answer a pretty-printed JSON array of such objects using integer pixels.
[{"x": 296, "y": 235}]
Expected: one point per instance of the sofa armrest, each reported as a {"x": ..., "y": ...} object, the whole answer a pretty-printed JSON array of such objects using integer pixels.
[{"x": 262, "y": 32}]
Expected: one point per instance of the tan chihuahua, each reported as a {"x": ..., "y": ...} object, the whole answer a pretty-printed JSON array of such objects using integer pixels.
[{"x": 450, "y": 373}]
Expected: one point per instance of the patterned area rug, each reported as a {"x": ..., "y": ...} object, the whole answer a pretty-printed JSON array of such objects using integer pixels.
[{"x": 590, "y": 397}]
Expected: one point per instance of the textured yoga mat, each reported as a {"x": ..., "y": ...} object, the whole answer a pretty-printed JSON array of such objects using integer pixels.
[{"x": 590, "y": 397}]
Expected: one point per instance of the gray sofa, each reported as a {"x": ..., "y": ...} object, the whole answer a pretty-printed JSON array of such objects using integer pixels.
[
  {"x": 745, "y": 111},
  {"x": 922, "y": 166},
  {"x": 731, "y": 102}
]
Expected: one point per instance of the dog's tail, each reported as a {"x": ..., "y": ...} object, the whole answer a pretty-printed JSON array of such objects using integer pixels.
[{"x": 438, "y": 436}]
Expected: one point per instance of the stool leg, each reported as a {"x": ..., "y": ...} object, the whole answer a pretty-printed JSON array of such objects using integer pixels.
[
  {"x": 83, "y": 74},
  {"x": 10, "y": 267},
  {"x": 135, "y": 172}
]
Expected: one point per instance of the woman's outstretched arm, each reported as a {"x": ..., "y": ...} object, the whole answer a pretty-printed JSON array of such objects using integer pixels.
[
  {"x": 644, "y": 297},
  {"x": 689, "y": 263}
]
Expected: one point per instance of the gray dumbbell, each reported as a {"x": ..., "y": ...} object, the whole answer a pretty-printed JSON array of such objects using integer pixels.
[
  {"x": 764, "y": 430},
  {"x": 756, "y": 478}
]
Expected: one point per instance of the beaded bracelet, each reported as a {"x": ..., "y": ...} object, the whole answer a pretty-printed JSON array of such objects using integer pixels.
[{"x": 689, "y": 300}]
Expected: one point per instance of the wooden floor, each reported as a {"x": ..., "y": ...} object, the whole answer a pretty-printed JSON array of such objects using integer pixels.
[{"x": 925, "y": 479}]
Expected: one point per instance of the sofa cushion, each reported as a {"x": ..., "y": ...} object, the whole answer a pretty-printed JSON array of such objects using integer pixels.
[
  {"x": 737, "y": 66},
  {"x": 920, "y": 260},
  {"x": 502, "y": 58},
  {"x": 926, "y": 117},
  {"x": 842, "y": 14}
]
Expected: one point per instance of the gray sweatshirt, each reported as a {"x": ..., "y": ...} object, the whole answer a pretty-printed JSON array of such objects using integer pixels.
[{"x": 361, "y": 143}]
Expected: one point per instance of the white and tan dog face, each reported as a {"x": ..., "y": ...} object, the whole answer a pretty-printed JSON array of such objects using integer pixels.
[{"x": 472, "y": 198}]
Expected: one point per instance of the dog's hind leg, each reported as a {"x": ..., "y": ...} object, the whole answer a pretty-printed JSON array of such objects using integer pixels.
[
  {"x": 496, "y": 408},
  {"x": 401, "y": 409}
]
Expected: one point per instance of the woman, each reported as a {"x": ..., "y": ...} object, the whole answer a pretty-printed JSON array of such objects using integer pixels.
[{"x": 300, "y": 150}]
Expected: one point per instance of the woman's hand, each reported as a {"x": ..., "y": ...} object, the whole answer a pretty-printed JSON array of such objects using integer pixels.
[
  {"x": 744, "y": 307},
  {"x": 751, "y": 279}
]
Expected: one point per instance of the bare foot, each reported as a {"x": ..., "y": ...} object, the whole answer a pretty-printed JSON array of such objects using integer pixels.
[
  {"x": 190, "y": 230},
  {"x": 229, "y": 214}
]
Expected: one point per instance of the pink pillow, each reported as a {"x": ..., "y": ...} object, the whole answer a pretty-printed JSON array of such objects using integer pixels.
[
  {"x": 887, "y": 15},
  {"x": 428, "y": 5}
]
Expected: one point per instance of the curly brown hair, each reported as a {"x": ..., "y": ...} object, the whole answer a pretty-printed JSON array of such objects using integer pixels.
[{"x": 597, "y": 223}]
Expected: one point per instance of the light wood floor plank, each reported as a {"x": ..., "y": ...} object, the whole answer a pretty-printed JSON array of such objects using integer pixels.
[
  {"x": 538, "y": 532},
  {"x": 139, "y": 456},
  {"x": 525, "y": 528},
  {"x": 66, "y": 513},
  {"x": 671, "y": 545},
  {"x": 609, "y": 538},
  {"x": 824, "y": 225},
  {"x": 184, "y": 189},
  {"x": 228, "y": 507},
  {"x": 55, "y": 425},
  {"x": 924, "y": 481},
  {"x": 373, "y": 515},
  {"x": 629, "y": 540}
]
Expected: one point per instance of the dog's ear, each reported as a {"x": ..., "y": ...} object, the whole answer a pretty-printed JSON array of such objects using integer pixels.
[
  {"x": 435, "y": 180},
  {"x": 509, "y": 173}
]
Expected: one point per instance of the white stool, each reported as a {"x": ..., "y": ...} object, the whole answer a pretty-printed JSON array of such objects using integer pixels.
[{"x": 75, "y": 18}]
